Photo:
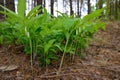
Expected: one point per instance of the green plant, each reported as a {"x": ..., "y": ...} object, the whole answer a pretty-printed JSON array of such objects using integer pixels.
[
  {"x": 44, "y": 36},
  {"x": 32, "y": 30},
  {"x": 18, "y": 24},
  {"x": 77, "y": 32}
]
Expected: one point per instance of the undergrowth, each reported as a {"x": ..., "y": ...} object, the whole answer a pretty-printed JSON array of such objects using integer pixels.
[{"x": 44, "y": 36}]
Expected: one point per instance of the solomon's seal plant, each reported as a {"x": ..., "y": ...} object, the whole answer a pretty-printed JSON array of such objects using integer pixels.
[{"x": 44, "y": 36}]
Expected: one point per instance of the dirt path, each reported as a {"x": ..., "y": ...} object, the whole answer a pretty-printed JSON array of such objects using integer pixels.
[{"x": 102, "y": 61}]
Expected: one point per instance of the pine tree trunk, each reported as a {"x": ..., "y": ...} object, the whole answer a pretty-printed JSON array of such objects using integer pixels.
[
  {"x": 35, "y": 2},
  {"x": 44, "y": 4},
  {"x": 52, "y": 7},
  {"x": 119, "y": 9},
  {"x": 100, "y": 4},
  {"x": 1, "y": 9},
  {"x": 89, "y": 7},
  {"x": 108, "y": 9},
  {"x": 71, "y": 9},
  {"x": 39, "y": 2},
  {"x": 116, "y": 9},
  {"x": 78, "y": 8},
  {"x": 10, "y": 5},
  {"x": 81, "y": 2},
  {"x": 111, "y": 9},
  {"x": 97, "y": 4}
]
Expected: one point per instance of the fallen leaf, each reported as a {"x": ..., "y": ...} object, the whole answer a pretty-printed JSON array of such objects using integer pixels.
[{"x": 8, "y": 67}]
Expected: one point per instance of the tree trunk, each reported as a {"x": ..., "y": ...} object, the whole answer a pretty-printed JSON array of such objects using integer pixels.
[
  {"x": 39, "y": 2},
  {"x": 78, "y": 8},
  {"x": 100, "y": 6},
  {"x": 35, "y": 2},
  {"x": 52, "y": 7},
  {"x": 81, "y": 2},
  {"x": 71, "y": 9},
  {"x": 108, "y": 9},
  {"x": 96, "y": 4},
  {"x": 89, "y": 7},
  {"x": 116, "y": 9},
  {"x": 10, "y": 5},
  {"x": 119, "y": 3},
  {"x": 44, "y": 3},
  {"x": 111, "y": 10},
  {"x": 1, "y": 9},
  {"x": 119, "y": 9},
  {"x": 100, "y": 3}
]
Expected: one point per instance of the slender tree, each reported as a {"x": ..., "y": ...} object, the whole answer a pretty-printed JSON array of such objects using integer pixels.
[
  {"x": 39, "y": 2},
  {"x": 10, "y": 4},
  {"x": 96, "y": 4},
  {"x": 1, "y": 3},
  {"x": 44, "y": 3},
  {"x": 108, "y": 9},
  {"x": 81, "y": 3},
  {"x": 119, "y": 3},
  {"x": 100, "y": 3},
  {"x": 119, "y": 9},
  {"x": 89, "y": 6},
  {"x": 71, "y": 8},
  {"x": 78, "y": 8},
  {"x": 52, "y": 7},
  {"x": 35, "y": 2},
  {"x": 116, "y": 9},
  {"x": 100, "y": 6},
  {"x": 113, "y": 9}
]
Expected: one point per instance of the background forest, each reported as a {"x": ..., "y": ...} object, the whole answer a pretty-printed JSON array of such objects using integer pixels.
[{"x": 77, "y": 7}]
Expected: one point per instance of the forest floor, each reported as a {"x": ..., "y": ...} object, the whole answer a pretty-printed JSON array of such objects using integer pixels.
[{"x": 102, "y": 61}]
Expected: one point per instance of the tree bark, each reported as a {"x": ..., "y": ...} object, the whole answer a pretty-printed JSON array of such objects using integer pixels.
[
  {"x": 81, "y": 2},
  {"x": 111, "y": 9},
  {"x": 44, "y": 4},
  {"x": 119, "y": 9},
  {"x": 78, "y": 8},
  {"x": 89, "y": 7},
  {"x": 71, "y": 9},
  {"x": 10, "y": 5},
  {"x": 39, "y": 2},
  {"x": 100, "y": 4},
  {"x": 52, "y": 7},
  {"x": 1, "y": 9},
  {"x": 108, "y": 9},
  {"x": 116, "y": 9}
]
